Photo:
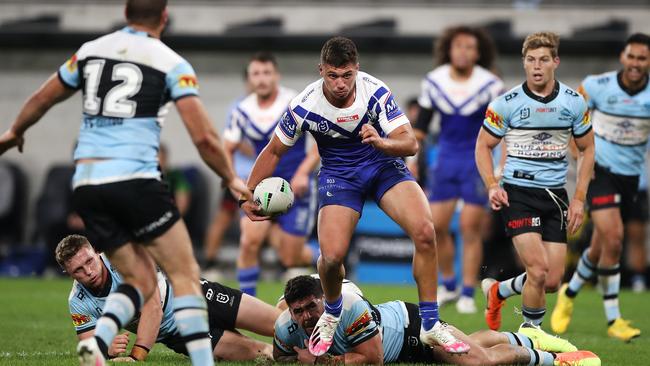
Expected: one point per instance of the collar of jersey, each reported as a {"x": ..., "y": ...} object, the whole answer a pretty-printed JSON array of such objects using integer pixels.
[
  {"x": 130, "y": 30},
  {"x": 546, "y": 99},
  {"x": 630, "y": 92}
]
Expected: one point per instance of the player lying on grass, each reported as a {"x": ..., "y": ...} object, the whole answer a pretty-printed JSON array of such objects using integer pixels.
[
  {"x": 228, "y": 309},
  {"x": 357, "y": 338}
]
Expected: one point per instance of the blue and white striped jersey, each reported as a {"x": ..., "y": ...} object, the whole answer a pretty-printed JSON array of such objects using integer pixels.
[{"x": 336, "y": 130}]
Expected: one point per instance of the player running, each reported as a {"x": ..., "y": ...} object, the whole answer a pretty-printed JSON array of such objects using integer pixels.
[
  {"x": 620, "y": 102},
  {"x": 127, "y": 79},
  {"x": 459, "y": 90},
  {"x": 254, "y": 119},
  {"x": 228, "y": 309},
  {"x": 537, "y": 119},
  {"x": 361, "y": 134},
  {"x": 388, "y": 333}
]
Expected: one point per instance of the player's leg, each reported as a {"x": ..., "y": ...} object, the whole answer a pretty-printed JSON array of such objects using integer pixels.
[
  {"x": 234, "y": 346},
  {"x": 250, "y": 241},
  {"x": 173, "y": 252},
  {"x": 442, "y": 213},
  {"x": 470, "y": 226},
  {"x": 535, "y": 259},
  {"x": 294, "y": 228},
  {"x": 635, "y": 235},
  {"x": 407, "y": 205},
  {"x": 256, "y": 316},
  {"x": 224, "y": 217}
]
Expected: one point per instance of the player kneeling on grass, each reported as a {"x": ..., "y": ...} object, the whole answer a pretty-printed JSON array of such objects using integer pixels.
[
  {"x": 228, "y": 309},
  {"x": 357, "y": 338}
]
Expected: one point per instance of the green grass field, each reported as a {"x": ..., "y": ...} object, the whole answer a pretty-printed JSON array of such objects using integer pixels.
[{"x": 36, "y": 329}]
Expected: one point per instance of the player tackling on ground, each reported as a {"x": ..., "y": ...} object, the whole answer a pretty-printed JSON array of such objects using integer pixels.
[
  {"x": 537, "y": 119},
  {"x": 361, "y": 134},
  {"x": 127, "y": 78},
  {"x": 620, "y": 101}
]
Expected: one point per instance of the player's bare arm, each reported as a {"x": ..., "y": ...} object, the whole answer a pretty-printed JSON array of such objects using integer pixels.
[
  {"x": 400, "y": 142},
  {"x": 207, "y": 142},
  {"x": 264, "y": 166},
  {"x": 586, "y": 157},
  {"x": 485, "y": 143},
  {"x": 50, "y": 93},
  {"x": 300, "y": 180},
  {"x": 151, "y": 315}
]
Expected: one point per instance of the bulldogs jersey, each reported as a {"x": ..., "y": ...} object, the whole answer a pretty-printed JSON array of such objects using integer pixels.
[
  {"x": 249, "y": 121},
  {"x": 537, "y": 131},
  {"x": 86, "y": 307},
  {"x": 621, "y": 122},
  {"x": 127, "y": 78},
  {"x": 461, "y": 105},
  {"x": 336, "y": 130}
]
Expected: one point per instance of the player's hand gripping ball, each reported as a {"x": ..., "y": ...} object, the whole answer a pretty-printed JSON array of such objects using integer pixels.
[{"x": 274, "y": 196}]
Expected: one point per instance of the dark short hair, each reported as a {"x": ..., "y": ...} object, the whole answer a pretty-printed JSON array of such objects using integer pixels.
[
  {"x": 411, "y": 102},
  {"x": 301, "y": 287},
  {"x": 68, "y": 248},
  {"x": 146, "y": 12},
  {"x": 486, "y": 48},
  {"x": 638, "y": 38},
  {"x": 264, "y": 56},
  {"x": 338, "y": 52}
]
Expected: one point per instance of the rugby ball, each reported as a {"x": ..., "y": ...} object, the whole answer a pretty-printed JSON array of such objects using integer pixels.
[{"x": 274, "y": 196}]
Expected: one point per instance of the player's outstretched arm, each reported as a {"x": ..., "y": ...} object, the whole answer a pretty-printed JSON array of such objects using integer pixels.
[
  {"x": 264, "y": 166},
  {"x": 400, "y": 142},
  {"x": 485, "y": 143},
  {"x": 151, "y": 315},
  {"x": 208, "y": 143},
  {"x": 51, "y": 92},
  {"x": 585, "y": 145}
]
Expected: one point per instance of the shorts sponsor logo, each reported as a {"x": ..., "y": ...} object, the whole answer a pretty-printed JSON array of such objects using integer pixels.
[
  {"x": 413, "y": 341},
  {"x": 524, "y": 222},
  {"x": 156, "y": 224},
  {"x": 222, "y": 298},
  {"x": 347, "y": 118},
  {"x": 209, "y": 294},
  {"x": 79, "y": 319},
  {"x": 609, "y": 199},
  {"x": 359, "y": 325}
]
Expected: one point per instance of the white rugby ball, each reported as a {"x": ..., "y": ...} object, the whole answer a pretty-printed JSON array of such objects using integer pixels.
[{"x": 274, "y": 196}]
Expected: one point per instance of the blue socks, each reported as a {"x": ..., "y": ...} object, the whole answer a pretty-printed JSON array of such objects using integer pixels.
[
  {"x": 334, "y": 308},
  {"x": 449, "y": 283},
  {"x": 429, "y": 314},
  {"x": 247, "y": 278},
  {"x": 191, "y": 316},
  {"x": 467, "y": 291},
  {"x": 119, "y": 309}
]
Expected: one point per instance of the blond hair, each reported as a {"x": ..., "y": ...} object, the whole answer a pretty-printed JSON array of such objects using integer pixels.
[
  {"x": 537, "y": 40},
  {"x": 68, "y": 248}
]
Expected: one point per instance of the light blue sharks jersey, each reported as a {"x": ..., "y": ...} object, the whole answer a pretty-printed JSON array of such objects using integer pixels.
[
  {"x": 537, "y": 132},
  {"x": 359, "y": 322},
  {"x": 86, "y": 307},
  {"x": 621, "y": 122},
  {"x": 127, "y": 79}
]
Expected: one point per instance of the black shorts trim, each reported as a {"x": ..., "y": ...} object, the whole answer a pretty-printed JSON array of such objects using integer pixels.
[
  {"x": 536, "y": 210},
  {"x": 137, "y": 210}
]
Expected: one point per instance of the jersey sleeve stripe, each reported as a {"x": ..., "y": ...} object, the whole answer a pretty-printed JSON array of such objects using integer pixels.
[
  {"x": 360, "y": 340},
  {"x": 492, "y": 132},
  {"x": 65, "y": 83},
  {"x": 86, "y": 329},
  {"x": 586, "y": 132},
  {"x": 184, "y": 96}
]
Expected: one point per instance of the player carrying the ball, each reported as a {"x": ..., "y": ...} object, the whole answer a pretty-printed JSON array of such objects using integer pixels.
[{"x": 361, "y": 135}]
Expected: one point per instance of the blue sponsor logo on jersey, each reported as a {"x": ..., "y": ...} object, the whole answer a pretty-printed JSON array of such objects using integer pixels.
[
  {"x": 392, "y": 109},
  {"x": 288, "y": 125}
]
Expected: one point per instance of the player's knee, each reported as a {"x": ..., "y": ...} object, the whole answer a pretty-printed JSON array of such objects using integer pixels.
[
  {"x": 613, "y": 244},
  {"x": 536, "y": 275},
  {"x": 331, "y": 260},
  {"x": 552, "y": 284},
  {"x": 424, "y": 236}
]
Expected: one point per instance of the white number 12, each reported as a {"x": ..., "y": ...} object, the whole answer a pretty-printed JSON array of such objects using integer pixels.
[{"x": 116, "y": 101}]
